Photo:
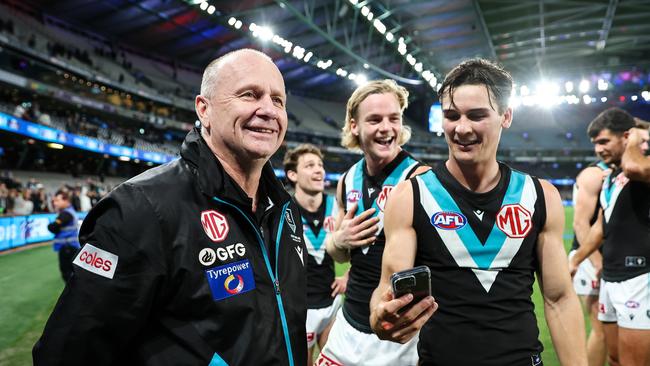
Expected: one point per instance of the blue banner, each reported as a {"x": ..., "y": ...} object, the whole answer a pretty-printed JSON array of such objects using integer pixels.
[
  {"x": 16, "y": 231},
  {"x": 33, "y": 130}
]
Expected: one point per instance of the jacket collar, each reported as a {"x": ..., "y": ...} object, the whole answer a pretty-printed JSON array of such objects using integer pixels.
[{"x": 214, "y": 181}]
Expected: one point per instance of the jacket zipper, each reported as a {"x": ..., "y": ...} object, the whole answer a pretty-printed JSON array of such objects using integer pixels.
[{"x": 274, "y": 278}]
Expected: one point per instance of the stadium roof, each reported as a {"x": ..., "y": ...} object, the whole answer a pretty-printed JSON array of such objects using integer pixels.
[{"x": 531, "y": 38}]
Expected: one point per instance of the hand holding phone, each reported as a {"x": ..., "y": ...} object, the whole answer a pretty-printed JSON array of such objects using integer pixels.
[{"x": 416, "y": 281}]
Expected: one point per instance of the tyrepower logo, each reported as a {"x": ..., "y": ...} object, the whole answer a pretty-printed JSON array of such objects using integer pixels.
[
  {"x": 215, "y": 225},
  {"x": 383, "y": 197},
  {"x": 447, "y": 220},
  {"x": 97, "y": 261},
  {"x": 514, "y": 220}
]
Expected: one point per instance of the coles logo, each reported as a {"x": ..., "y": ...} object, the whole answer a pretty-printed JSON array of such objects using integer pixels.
[
  {"x": 233, "y": 286},
  {"x": 383, "y": 197},
  {"x": 353, "y": 196},
  {"x": 514, "y": 220},
  {"x": 97, "y": 261},
  {"x": 447, "y": 220},
  {"x": 215, "y": 225},
  {"x": 328, "y": 224}
]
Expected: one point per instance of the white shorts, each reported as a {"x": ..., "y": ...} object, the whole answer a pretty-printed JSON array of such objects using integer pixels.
[
  {"x": 585, "y": 281},
  {"x": 626, "y": 303},
  {"x": 319, "y": 319},
  {"x": 347, "y": 346}
]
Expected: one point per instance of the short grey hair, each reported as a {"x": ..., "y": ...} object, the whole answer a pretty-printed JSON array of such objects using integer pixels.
[{"x": 212, "y": 70}]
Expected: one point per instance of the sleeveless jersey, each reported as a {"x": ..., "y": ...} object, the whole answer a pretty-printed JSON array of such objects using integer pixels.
[
  {"x": 599, "y": 164},
  {"x": 481, "y": 250},
  {"x": 320, "y": 266},
  {"x": 626, "y": 213},
  {"x": 365, "y": 271}
]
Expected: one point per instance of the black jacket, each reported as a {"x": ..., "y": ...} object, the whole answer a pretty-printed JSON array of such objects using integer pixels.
[{"x": 193, "y": 274}]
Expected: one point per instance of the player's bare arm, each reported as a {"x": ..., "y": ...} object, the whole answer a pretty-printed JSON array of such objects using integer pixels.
[
  {"x": 350, "y": 231},
  {"x": 634, "y": 163},
  {"x": 561, "y": 305},
  {"x": 589, "y": 183},
  {"x": 399, "y": 254}
]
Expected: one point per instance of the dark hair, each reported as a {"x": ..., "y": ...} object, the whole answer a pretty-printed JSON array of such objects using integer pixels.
[
  {"x": 480, "y": 72},
  {"x": 613, "y": 119},
  {"x": 291, "y": 157},
  {"x": 64, "y": 195}
]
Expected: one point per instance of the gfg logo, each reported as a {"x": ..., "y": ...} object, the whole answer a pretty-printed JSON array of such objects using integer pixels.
[
  {"x": 514, "y": 220},
  {"x": 230, "y": 250},
  {"x": 447, "y": 220}
]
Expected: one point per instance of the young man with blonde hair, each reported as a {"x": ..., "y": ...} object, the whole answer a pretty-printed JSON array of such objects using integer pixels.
[{"x": 373, "y": 125}]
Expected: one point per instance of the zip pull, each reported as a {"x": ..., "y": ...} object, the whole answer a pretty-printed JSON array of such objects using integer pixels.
[{"x": 276, "y": 284}]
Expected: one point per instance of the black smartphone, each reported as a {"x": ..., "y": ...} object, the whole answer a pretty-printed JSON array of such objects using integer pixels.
[{"x": 415, "y": 280}]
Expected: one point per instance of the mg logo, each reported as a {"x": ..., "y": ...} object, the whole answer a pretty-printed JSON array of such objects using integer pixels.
[
  {"x": 328, "y": 224},
  {"x": 383, "y": 197},
  {"x": 514, "y": 220},
  {"x": 215, "y": 225}
]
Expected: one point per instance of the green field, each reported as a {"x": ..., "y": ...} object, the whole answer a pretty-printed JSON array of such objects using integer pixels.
[{"x": 30, "y": 283}]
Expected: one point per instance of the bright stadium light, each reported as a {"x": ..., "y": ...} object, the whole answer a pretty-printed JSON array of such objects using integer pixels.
[
  {"x": 204, "y": 5},
  {"x": 524, "y": 91},
  {"x": 645, "y": 95},
  {"x": 586, "y": 99},
  {"x": 390, "y": 37},
  {"x": 361, "y": 79},
  {"x": 211, "y": 9},
  {"x": 238, "y": 24},
  {"x": 584, "y": 86},
  {"x": 602, "y": 85},
  {"x": 603, "y": 99},
  {"x": 634, "y": 98},
  {"x": 231, "y": 21},
  {"x": 568, "y": 86}
]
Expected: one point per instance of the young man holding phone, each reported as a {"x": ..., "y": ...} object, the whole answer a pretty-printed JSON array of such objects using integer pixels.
[{"x": 483, "y": 229}]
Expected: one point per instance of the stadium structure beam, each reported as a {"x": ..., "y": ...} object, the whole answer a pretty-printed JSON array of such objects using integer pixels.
[
  {"x": 484, "y": 29},
  {"x": 345, "y": 49},
  {"x": 523, "y": 19},
  {"x": 607, "y": 25}
]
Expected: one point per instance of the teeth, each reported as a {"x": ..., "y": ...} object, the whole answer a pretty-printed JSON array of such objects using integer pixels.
[{"x": 263, "y": 130}]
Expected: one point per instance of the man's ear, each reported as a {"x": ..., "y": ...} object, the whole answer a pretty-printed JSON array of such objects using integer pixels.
[
  {"x": 507, "y": 118},
  {"x": 292, "y": 176},
  {"x": 201, "y": 106},
  {"x": 354, "y": 127}
]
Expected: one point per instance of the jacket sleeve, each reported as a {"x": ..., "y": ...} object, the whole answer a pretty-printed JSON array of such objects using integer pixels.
[
  {"x": 118, "y": 274},
  {"x": 61, "y": 220}
]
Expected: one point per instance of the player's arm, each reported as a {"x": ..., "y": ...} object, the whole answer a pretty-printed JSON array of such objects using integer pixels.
[
  {"x": 634, "y": 163},
  {"x": 589, "y": 183},
  {"x": 350, "y": 231},
  {"x": 561, "y": 305},
  {"x": 399, "y": 254},
  {"x": 113, "y": 291}
]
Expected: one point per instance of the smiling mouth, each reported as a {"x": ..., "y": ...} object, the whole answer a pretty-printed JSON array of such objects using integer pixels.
[
  {"x": 466, "y": 143},
  {"x": 385, "y": 141},
  {"x": 261, "y": 130}
]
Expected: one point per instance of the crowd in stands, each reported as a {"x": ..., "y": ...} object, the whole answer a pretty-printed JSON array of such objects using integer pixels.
[{"x": 26, "y": 198}]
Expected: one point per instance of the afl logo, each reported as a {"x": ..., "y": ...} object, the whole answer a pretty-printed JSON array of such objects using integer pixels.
[
  {"x": 447, "y": 220},
  {"x": 236, "y": 287},
  {"x": 514, "y": 220},
  {"x": 383, "y": 197},
  {"x": 207, "y": 256},
  {"x": 215, "y": 225},
  {"x": 353, "y": 196}
]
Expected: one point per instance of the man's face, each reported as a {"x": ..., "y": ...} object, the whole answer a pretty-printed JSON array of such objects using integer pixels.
[
  {"x": 378, "y": 125},
  {"x": 59, "y": 203},
  {"x": 472, "y": 127},
  {"x": 609, "y": 147},
  {"x": 246, "y": 114},
  {"x": 310, "y": 174}
]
